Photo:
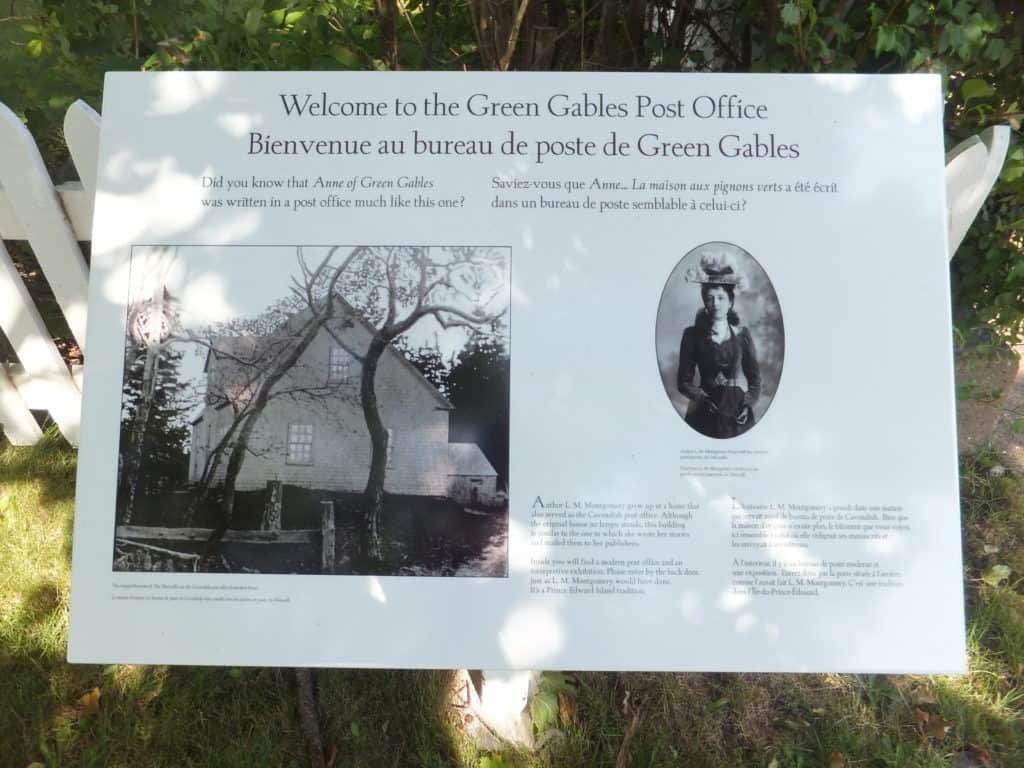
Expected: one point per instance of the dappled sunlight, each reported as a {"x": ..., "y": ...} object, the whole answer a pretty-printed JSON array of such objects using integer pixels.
[
  {"x": 165, "y": 206},
  {"x": 375, "y": 590},
  {"x": 519, "y": 548},
  {"x": 855, "y": 419},
  {"x": 138, "y": 684},
  {"x": 532, "y": 634},
  {"x": 590, "y": 423},
  {"x": 507, "y": 695},
  {"x": 35, "y": 491},
  {"x": 894, "y": 544},
  {"x": 745, "y": 622},
  {"x": 236, "y": 229},
  {"x": 733, "y": 602},
  {"x": 519, "y": 296},
  {"x": 54, "y": 391},
  {"x": 204, "y": 298},
  {"x": 841, "y": 83},
  {"x": 238, "y": 124},
  {"x": 36, "y": 620},
  {"x": 178, "y": 92},
  {"x": 691, "y": 606},
  {"x": 917, "y": 103},
  {"x": 118, "y": 168}
]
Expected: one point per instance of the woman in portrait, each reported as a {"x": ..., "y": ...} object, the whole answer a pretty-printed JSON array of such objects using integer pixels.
[{"x": 714, "y": 351}]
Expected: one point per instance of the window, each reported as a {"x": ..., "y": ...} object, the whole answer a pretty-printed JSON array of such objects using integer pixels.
[
  {"x": 391, "y": 442},
  {"x": 300, "y": 444},
  {"x": 339, "y": 366}
]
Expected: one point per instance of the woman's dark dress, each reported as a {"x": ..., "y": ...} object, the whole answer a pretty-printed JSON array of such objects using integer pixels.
[{"x": 719, "y": 366}]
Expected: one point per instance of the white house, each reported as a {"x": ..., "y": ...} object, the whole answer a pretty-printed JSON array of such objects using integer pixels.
[
  {"x": 473, "y": 480},
  {"x": 312, "y": 432}
]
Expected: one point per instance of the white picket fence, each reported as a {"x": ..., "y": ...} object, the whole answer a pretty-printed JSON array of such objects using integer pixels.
[{"x": 54, "y": 219}]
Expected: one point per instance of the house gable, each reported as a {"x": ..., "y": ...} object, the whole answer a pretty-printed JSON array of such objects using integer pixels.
[
  {"x": 349, "y": 331},
  {"x": 309, "y": 408}
]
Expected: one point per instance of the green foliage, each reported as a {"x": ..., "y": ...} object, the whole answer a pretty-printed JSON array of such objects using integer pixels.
[
  {"x": 544, "y": 703},
  {"x": 165, "y": 466},
  {"x": 389, "y": 718},
  {"x": 144, "y": 716},
  {"x": 978, "y": 47},
  {"x": 971, "y": 390},
  {"x": 54, "y": 52},
  {"x": 493, "y": 761},
  {"x": 478, "y": 387},
  {"x": 429, "y": 361},
  {"x": 175, "y": 716}
]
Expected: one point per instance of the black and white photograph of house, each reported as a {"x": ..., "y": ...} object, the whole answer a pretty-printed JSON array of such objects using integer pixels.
[{"x": 315, "y": 409}]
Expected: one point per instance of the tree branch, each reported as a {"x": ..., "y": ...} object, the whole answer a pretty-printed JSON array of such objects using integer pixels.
[
  {"x": 704, "y": 22},
  {"x": 513, "y": 37}
]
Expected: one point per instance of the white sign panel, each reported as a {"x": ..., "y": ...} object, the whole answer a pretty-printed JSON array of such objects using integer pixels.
[{"x": 527, "y": 371}]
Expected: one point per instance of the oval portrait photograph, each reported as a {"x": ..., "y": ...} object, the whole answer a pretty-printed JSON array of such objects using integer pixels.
[{"x": 720, "y": 340}]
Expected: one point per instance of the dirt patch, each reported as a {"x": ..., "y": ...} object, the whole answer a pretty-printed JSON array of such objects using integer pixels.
[{"x": 990, "y": 403}]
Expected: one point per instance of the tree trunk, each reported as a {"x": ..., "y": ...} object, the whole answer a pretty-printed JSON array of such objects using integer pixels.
[
  {"x": 259, "y": 403},
  {"x": 271, "y": 520},
  {"x": 387, "y": 15},
  {"x": 680, "y": 23},
  {"x": 235, "y": 459},
  {"x": 635, "y": 27},
  {"x": 309, "y": 720},
  {"x": 134, "y": 468},
  {"x": 605, "y": 47},
  {"x": 206, "y": 480},
  {"x": 370, "y": 551}
]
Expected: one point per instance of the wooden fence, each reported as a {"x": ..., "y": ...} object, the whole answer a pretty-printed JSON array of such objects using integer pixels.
[
  {"x": 53, "y": 220},
  {"x": 270, "y": 532}
]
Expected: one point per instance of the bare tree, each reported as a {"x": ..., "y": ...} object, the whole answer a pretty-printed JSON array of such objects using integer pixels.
[
  {"x": 393, "y": 288},
  {"x": 151, "y": 324},
  {"x": 386, "y": 290},
  {"x": 256, "y": 354}
]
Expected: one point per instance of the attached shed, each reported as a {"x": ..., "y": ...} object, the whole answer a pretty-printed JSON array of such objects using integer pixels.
[{"x": 473, "y": 481}]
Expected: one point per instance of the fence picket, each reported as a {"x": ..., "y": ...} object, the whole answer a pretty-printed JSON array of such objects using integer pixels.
[
  {"x": 24, "y": 328},
  {"x": 47, "y": 228},
  {"x": 73, "y": 199},
  {"x": 15, "y": 419},
  {"x": 82, "y": 134}
]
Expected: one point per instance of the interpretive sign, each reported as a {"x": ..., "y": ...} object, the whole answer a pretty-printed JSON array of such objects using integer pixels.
[{"x": 530, "y": 371}]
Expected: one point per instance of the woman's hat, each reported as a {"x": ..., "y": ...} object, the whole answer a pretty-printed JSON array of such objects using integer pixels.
[{"x": 716, "y": 268}]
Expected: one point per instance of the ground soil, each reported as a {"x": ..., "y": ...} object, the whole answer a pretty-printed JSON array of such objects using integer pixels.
[{"x": 990, "y": 404}]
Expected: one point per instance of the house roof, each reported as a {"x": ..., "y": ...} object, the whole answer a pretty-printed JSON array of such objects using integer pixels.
[
  {"x": 230, "y": 346},
  {"x": 468, "y": 459},
  {"x": 241, "y": 346}
]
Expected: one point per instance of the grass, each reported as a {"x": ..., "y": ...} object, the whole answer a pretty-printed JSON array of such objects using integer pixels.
[{"x": 178, "y": 716}]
